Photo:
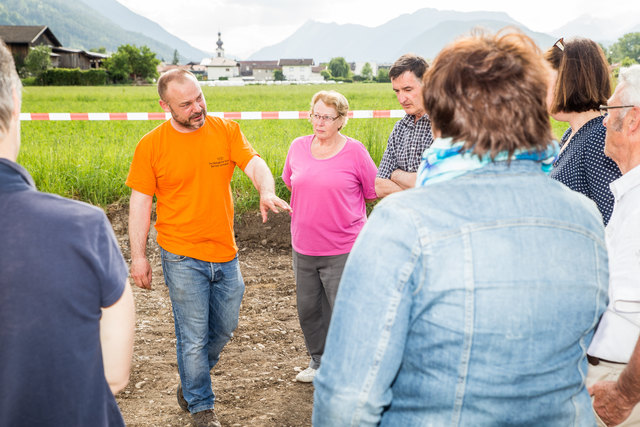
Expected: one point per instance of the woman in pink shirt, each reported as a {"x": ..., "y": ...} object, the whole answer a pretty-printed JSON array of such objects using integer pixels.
[{"x": 330, "y": 177}]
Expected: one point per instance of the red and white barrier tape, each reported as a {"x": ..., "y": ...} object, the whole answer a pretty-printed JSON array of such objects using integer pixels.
[{"x": 244, "y": 115}]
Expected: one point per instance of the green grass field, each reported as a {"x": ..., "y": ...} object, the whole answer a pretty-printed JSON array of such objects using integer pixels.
[{"x": 90, "y": 160}]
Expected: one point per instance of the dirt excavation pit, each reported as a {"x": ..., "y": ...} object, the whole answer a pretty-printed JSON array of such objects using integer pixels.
[{"x": 254, "y": 380}]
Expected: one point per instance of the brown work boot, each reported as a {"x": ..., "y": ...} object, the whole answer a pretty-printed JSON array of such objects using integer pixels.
[
  {"x": 181, "y": 400},
  {"x": 206, "y": 418}
]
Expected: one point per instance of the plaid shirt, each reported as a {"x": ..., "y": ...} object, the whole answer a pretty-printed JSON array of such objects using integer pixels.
[{"x": 407, "y": 142}]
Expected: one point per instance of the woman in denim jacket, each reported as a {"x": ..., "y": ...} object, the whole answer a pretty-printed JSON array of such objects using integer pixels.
[{"x": 471, "y": 299}]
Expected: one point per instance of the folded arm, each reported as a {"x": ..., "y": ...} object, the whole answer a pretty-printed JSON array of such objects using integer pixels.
[
  {"x": 400, "y": 180},
  {"x": 384, "y": 187},
  {"x": 404, "y": 179}
]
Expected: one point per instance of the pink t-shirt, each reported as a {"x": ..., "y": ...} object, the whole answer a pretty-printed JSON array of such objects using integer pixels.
[{"x": 328, "y": 196}]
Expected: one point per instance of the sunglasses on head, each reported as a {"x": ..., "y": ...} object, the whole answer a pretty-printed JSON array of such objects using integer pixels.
[{"x": 560, "y": 44}]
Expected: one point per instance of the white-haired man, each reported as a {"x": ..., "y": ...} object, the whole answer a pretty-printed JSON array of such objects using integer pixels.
[{"x": 614, "y": 354}]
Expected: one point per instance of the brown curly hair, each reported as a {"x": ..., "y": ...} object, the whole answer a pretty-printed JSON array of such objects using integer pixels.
[{"x": 490, "y": 92}]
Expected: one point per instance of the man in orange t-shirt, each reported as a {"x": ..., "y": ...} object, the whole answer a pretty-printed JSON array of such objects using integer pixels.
[{"x": 188, "y": 162}]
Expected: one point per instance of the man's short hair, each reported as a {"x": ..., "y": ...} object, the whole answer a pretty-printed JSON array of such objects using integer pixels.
[
  {"x": 630, "y": 77},
  {"x": 583, "y": 82},
  {"x": 408, "y": 62},
  {"x": 9, "y": 81},
  {"x": 172, "y": 75},
  {"x": 489, "y": 91}
]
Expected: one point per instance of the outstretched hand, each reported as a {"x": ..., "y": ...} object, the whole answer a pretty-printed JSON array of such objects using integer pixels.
[{"x": 273, "y": 203}]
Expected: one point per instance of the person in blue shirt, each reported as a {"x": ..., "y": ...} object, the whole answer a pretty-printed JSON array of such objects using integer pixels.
[
  {"x": 66, "y": 306},
  {"x": 470, "y": 300}
]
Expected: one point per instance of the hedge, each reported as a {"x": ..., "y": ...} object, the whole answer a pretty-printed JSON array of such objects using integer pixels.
[{"x": 72, "y": 77}]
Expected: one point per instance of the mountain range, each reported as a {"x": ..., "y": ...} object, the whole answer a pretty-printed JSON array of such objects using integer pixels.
[
  {"x": 89, "y": 24},
  {"x": 426, "y": 32},
  {"x": 603, "y": 30},
  {"x": 423, "y": 32}
]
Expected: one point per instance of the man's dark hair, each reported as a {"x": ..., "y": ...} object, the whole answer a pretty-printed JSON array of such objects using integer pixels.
[{"x": 408, "y": 62}]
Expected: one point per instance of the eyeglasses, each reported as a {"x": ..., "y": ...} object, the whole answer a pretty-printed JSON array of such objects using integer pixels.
[
  {"x": 560, "y": 44},
  {"x": 604, "y": 109},
  {"x": 319, "y": 118}
]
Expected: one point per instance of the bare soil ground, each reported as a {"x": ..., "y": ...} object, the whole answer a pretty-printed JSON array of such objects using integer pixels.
[{"x": 254, "y": 380}]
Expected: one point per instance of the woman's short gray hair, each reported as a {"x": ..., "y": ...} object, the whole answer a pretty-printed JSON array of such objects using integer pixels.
[
  {"x": 9, "y": 81},
  {"x": 333, "y": 99}
]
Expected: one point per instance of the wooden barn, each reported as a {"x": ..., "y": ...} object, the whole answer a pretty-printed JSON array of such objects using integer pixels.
[{"x": 20, "y": 38}]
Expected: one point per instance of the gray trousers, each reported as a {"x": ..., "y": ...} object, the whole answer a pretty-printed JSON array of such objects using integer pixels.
[{"x": 317, "y": 280}]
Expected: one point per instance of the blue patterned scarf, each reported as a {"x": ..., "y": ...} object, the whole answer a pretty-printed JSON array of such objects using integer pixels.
[{"x": 445, "y": 160}]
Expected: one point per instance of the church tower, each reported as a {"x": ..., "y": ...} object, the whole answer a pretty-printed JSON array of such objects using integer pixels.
[{"x": 219, "y": 50}]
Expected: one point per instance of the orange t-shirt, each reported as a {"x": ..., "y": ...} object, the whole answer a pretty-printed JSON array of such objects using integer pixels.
[{"x": 190, "y": 174}]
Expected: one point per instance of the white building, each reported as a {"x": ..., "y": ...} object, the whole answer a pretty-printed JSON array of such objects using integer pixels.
[
  {"x": 297, "y": 69},
  {"x": 316, "y": 73},
  {"x": 219, "y": 66},
  {"x": 260, "y": 71}
]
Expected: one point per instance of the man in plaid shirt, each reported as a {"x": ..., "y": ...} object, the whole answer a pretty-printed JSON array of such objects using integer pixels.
[{"x": 411, "y": 135}]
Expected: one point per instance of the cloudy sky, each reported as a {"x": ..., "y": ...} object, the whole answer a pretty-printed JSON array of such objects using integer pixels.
[{"x": 248, "y": 25}]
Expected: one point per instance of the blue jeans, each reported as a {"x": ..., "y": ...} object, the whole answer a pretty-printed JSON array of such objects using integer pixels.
[{"x": 205, "y": 297}]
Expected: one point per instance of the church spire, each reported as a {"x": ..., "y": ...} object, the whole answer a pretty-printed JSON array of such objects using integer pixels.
[{"x": 219, "y": 50}]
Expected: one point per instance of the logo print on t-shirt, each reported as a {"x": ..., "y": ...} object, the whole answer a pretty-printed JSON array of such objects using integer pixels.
[{"x": 220, "y": 162}]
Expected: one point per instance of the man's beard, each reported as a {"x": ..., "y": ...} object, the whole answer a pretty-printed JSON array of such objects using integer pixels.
[{"x": 189, "y": 124}]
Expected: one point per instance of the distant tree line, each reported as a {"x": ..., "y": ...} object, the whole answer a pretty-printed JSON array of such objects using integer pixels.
[
  {"x": 625, "y": 51},
  {"x": 338, "y": 69},
  {"x": 132, "y": 64},
  {"x": 129, "y": 64}
]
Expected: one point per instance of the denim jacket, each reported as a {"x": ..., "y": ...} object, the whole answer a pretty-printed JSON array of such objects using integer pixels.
[{"x": 468, "y": 302}]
